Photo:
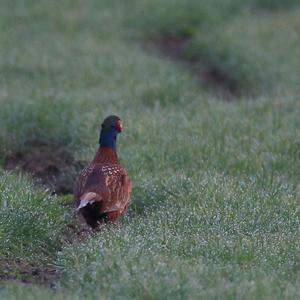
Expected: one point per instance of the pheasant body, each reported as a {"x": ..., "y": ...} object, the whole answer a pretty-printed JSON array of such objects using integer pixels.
[{"x": 103, "y": 188}]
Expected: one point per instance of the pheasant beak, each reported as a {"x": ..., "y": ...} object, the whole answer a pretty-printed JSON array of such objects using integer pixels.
[{"x": 119, "y": 126}]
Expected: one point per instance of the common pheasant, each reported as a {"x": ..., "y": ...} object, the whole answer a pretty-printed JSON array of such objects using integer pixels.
[{"x": 103, "y": 188}]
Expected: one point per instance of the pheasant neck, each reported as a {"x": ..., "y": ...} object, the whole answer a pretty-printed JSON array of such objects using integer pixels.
[
  {"x": 106, "y": 155},
  {"x": 108, "y": 138}
]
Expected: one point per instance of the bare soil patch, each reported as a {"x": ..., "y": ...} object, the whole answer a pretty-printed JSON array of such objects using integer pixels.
[
  {"x": 214, "y": 77},
  {"x": 27, "y": 273},
  {"x": 51, "y": 164},
  {"x": 210, "y": 76}
]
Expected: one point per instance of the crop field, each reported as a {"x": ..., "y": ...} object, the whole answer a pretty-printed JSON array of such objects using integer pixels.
[{"x": 208, "y": 92}]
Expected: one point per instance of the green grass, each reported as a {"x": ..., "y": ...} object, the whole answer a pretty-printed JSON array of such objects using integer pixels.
[
  {"x": 32, "y": 224},
  {"x": 215, "y": 208},
  {"x": 194, "y": 244}
]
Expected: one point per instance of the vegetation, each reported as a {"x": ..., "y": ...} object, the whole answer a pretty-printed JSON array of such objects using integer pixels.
[{"x": 215, "y": 208}]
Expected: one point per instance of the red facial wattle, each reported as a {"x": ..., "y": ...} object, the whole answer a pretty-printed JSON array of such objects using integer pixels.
[{"x": 119, "y": 126}]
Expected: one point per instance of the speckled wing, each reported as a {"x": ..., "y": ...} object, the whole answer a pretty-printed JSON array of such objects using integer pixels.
[
  {"x": 110, "y": 181},
  {"x": 119, "y": 188},
  {"x": 91, "y": 179}
]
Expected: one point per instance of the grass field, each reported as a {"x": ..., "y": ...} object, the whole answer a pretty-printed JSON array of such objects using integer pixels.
[{"x": 208, "y": 92}]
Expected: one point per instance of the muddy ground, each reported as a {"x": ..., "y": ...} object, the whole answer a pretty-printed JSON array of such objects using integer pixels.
[
  {"x": 50, "y": 164},
  {"x": 210, "y": 76}
]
